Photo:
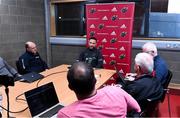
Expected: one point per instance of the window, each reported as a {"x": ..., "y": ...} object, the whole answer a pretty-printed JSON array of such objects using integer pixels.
[
  {"x": 70, "y": 18},
  {"x": 161, "y": 23},
  {"x": 151, "y": 18}
]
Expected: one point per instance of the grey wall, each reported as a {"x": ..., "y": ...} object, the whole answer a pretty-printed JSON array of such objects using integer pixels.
[
  {"x": 20, "y": 21},
  {"x": 62, "y": 54}
]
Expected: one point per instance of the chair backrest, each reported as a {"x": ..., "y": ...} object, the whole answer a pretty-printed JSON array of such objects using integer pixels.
[
  {"x": 166, "y": 84},
  {"x": 152, "y": 103}
]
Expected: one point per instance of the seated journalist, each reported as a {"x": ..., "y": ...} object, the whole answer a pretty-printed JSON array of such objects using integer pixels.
[
  {"x": 6, "y": 69},
  {"x": 110, "y": 101},
  {"x": 145, "y": 86},
  {"x": 31, "y": 61},
  {"x": 92, "y": 55},
  {"x": 160, "y": 66}
]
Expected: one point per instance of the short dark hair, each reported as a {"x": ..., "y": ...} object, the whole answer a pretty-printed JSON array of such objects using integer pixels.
[
  {"x": 93, "y": 38},
  {"x": 82, "y": 82}
]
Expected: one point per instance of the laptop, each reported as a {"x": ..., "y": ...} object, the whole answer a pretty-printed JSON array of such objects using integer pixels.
[
  {"x": 43, "y": 101},
  {"x": 30, "y": 77}
]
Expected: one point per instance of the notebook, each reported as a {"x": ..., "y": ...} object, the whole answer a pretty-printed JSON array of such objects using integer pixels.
[
  {"x": 30, "y": 77},
  {"x": 43, "y": 101}
]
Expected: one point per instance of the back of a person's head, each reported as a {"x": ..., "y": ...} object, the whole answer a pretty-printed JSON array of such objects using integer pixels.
[
  {"x": 145, "y": 61},
  {"x": 150, "y": 48},
  {"x": 81, "y": 78}
]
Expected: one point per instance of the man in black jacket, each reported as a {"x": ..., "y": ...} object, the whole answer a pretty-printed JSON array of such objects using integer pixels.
[
  {"x": 31, "y": 61},
  {"x": 92, "y": 55},
  {"x": 145, "y": 86}
]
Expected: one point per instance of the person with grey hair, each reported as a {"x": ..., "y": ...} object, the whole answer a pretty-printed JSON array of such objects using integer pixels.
[
  {"x": 107, "y": 102},
  {"x": 144, "y": 86},
  {"x": 160, "y": 66}
]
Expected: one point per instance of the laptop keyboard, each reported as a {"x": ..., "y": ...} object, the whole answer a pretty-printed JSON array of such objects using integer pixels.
[{"x": 52, "y": 111}]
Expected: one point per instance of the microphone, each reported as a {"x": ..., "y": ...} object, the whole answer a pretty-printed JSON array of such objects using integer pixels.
[
  {"x": 6, "y": 80},
  {"x": 122, "y": 81}
]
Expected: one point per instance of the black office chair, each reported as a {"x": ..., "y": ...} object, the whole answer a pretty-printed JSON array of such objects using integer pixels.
[
  {"x": 166, "y": 90},
  {"x": 152, "y": 103},
  {"x": 149, "y": 106}
]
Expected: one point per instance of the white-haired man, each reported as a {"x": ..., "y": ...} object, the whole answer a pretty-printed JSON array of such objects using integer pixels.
[
  {"x": 144, "y": 86},
  {"x": 160, "y": 66}
]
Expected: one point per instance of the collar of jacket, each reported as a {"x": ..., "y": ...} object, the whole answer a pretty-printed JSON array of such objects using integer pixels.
[
  {"x": 92, "y": 49},
  {"x": 30, "y": 53},
  {"x": 145, "y": 76}
]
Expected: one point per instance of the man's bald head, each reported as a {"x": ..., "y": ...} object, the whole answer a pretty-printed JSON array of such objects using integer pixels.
[
  {"x": 31, "y": 47},
  {"x": 81, "y": 78}
]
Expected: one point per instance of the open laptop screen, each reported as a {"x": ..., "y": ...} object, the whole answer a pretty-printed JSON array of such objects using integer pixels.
[{"x": 41, "y": 98}]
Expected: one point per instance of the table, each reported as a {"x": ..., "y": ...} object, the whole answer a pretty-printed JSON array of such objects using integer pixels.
[{"x": 57, "y": 75}]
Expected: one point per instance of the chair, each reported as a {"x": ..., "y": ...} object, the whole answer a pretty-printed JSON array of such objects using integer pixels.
[
  {"x": 166, "y": 90},
  {"x": 150, "y": 106},
  {"x": 152, "y": 103}
]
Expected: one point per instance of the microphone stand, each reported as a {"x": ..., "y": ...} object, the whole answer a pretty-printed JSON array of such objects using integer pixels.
[
  {"x": 7, "y": 94},
  {"x": 7, "y": 81}
]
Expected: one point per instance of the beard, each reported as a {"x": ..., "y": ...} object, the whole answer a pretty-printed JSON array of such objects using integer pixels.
[{"x": 91, "y": 48}]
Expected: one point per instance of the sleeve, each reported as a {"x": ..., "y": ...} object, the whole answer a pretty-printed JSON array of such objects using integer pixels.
[
  {"x": 45, "y": 66},
  {"x": 100, "y": 60},
  {"x": 10, "y": 69},
  {"x": 24, "y": 65},
  {"x": 133, "y": 88},
  {"x": 131, "y": 102},
  {"x": 161, "y": 70}
]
